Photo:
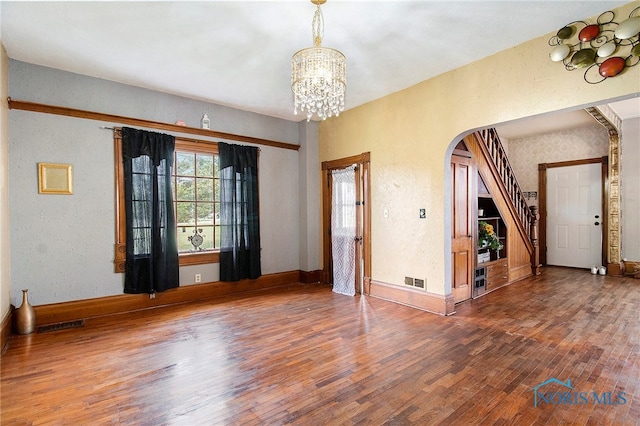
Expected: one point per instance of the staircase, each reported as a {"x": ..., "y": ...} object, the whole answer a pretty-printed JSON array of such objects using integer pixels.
[{"x": 525, "y": 217}]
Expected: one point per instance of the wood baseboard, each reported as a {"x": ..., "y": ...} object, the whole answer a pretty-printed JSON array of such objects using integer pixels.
[
  {"x": 419, "y": 299},
  {"x": 6, "y": 328},
  {"x": 518, "y": 273},
  {"x": 614, "y": 269},
  {"x": 312, "y": 277},
  {"x": 91, "y": 308}
]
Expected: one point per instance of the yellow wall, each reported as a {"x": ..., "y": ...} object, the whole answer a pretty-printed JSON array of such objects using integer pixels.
[{"x": 411, "y": 133}]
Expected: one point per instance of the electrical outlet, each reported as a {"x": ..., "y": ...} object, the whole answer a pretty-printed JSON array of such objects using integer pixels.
[
  {"x": 385, "y": 212},
  {"x": 423, "y": 213},
  {"x": 198, "y": 278}
]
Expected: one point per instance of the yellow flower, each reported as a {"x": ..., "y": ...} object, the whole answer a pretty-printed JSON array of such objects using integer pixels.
[{"x": 487, "y": 236}]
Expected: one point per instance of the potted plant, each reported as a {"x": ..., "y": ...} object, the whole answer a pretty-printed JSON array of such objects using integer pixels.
[{"x": 487, "y": 236}]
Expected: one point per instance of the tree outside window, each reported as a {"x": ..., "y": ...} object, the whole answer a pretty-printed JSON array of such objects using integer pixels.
[{"x": 197, "y": 198}]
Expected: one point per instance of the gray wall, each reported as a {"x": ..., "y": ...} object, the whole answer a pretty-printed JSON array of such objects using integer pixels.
[
  {"x": 5, "y": 253},
  {"x": 310, "y": 189},
  {"x": 62, "y": 245},
  {"x": 630, "y": 188}
]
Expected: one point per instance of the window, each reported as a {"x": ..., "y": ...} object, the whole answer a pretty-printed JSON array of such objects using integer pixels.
[{"x": 196, "y": 195}]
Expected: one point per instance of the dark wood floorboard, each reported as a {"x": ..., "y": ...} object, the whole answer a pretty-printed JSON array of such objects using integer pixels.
[{"x": 307, "y": 356}]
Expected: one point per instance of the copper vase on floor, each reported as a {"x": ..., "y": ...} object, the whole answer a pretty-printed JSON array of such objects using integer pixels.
[{"x": 25, "y": 316}]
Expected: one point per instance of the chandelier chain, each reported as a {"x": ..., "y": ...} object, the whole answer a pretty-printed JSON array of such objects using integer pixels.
[{"x": 317, "y": 27}]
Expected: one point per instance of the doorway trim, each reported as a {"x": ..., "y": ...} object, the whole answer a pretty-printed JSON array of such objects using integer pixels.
[
  {"x": 542, "y": 191},
  {"x": 363, "y": 161}
]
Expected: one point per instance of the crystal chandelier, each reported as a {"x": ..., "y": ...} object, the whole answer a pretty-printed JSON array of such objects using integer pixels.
[{"x": 318, "y": 75}]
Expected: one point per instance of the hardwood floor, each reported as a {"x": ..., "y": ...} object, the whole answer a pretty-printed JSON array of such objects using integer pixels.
[{"x": 305, "y": 355}]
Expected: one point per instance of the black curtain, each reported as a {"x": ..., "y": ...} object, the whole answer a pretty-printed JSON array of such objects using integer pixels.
[
  {"x": 152, "y": 252},
  {"x": 240, "y": 230}
]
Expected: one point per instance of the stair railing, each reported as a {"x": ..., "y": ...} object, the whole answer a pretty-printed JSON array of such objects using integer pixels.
[{"x": 528, "y": 216}]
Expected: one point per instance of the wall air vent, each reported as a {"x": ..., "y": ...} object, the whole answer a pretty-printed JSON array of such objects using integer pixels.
[{"x": 60, "y": 326}]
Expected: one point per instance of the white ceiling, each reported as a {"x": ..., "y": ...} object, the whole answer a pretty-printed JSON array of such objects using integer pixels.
[
  {"x": 557, "y": 121},
  {"x": 237, "y": 53},
  {"x": 545, "y": 124}
]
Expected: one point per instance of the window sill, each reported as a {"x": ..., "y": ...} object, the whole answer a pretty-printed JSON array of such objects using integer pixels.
[
  {"x": 199, "y": 258},
  {"x": 183, "y": 259}
]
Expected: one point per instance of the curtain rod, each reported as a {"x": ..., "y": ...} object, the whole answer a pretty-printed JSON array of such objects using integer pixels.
[
  {"x": 90, "y": 115},
  {"x": 177, "y": 137}
]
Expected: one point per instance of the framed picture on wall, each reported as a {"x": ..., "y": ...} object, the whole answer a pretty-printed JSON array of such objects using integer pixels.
[{"x": 55, "y": 178}]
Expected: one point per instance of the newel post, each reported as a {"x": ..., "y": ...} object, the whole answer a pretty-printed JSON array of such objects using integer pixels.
[{"x": 533, "y": 234}]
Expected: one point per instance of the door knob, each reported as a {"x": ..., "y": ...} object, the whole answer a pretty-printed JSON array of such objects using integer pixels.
[
  {"x": 597, "y": 223},
  {"x": 597, "y": 216}
]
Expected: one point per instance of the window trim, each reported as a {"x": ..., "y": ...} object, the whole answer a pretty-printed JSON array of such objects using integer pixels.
[{"x": 184, "y": 259}]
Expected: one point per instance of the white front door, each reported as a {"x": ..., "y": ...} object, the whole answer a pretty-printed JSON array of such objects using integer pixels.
[{"x": 574, "y": 215}]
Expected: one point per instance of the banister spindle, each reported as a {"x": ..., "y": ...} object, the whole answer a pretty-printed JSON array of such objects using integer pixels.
[{"x": 533, "y": 230}]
